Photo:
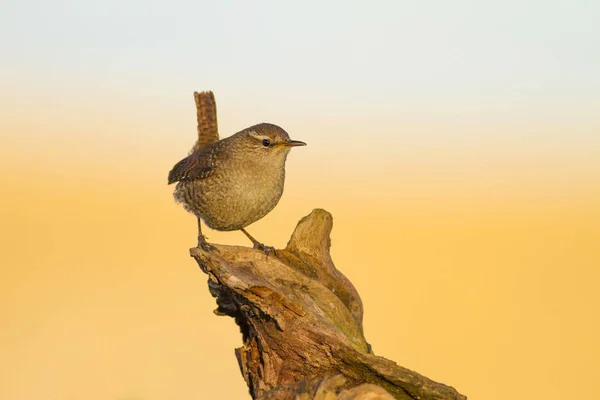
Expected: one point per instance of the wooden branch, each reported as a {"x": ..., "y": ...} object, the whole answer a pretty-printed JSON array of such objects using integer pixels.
[
  {"x": 301, "y": 323},
  {"x": 300, "y": 318}
]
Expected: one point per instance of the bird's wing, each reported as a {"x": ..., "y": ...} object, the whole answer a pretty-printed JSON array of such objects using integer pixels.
[
  {"x": 198, "y": 165},
  {"x": 206, "y": 111}
]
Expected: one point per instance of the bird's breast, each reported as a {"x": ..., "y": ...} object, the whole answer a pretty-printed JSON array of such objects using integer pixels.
[{"x": 233, "y": 198}]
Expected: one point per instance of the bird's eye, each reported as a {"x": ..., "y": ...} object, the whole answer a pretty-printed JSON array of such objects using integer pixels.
[{"x": 266, "y": 142}]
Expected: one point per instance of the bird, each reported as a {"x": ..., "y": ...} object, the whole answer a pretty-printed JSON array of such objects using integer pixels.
[{"x": 233, "y": 182}]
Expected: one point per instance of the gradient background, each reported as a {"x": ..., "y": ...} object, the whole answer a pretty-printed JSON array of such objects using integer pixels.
[{"x": 457, "y": 145}]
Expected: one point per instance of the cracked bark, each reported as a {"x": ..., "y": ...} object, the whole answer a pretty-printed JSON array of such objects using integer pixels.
[{"x": 301, "y": 323}]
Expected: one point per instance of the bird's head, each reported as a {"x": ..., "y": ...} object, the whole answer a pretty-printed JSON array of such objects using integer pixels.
[{"x": 268, "y": 141}]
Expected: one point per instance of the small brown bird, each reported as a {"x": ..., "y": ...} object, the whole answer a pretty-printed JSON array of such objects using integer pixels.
[{"x": 233, "y": 182}]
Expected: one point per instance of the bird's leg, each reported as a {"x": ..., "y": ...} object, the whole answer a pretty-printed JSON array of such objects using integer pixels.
[
  {"x": 258, "y": 245},
  {"x": 202, "y": 243}
]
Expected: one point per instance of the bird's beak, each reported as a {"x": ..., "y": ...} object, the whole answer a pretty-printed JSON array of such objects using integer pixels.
[{"x": 294, "y": 143}]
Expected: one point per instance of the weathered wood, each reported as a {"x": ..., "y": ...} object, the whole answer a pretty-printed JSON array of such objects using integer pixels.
[
  {"x": 301, "y": 323},
  {"x": 300, "y": 318}
]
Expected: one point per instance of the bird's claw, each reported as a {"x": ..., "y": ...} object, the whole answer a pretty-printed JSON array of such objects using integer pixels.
[
  {"x": 267, "y": 249},
  {"x": 204, "y": 245}
]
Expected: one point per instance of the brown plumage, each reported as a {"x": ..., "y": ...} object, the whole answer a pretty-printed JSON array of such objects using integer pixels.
[
  {"x": 235, "y": 181},
  {"x": 206, "y": 112},
  {"x": 197, "y": 165}
]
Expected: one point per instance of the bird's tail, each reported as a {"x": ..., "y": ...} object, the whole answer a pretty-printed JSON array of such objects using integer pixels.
[{"x": 206, "y": 111}]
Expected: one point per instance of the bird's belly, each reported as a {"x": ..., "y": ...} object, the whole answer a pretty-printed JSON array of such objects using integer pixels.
[{"x": 227, "y": 205}]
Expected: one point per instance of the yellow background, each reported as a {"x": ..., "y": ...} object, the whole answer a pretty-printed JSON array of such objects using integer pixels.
[{"x": 469, "y": 223}]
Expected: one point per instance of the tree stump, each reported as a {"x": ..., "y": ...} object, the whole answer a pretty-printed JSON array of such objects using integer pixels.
[{"x": 301, "y": 323}]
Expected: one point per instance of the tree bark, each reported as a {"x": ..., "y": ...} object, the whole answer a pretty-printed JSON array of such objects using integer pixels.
[
  {"x": 301, "y": 323},
  {"x": 300, "y": 318}
]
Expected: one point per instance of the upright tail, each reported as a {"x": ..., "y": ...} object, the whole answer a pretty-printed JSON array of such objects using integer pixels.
[{"x": 206, "y": 111}]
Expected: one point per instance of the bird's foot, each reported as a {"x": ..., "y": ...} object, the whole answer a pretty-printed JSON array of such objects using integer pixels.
[
  {"x": 204, "y": 245},
  {"x": 267, "y": 249}
]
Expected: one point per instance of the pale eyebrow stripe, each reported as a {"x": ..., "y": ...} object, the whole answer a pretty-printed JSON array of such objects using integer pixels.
[{"x": 257, "y": 136}]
